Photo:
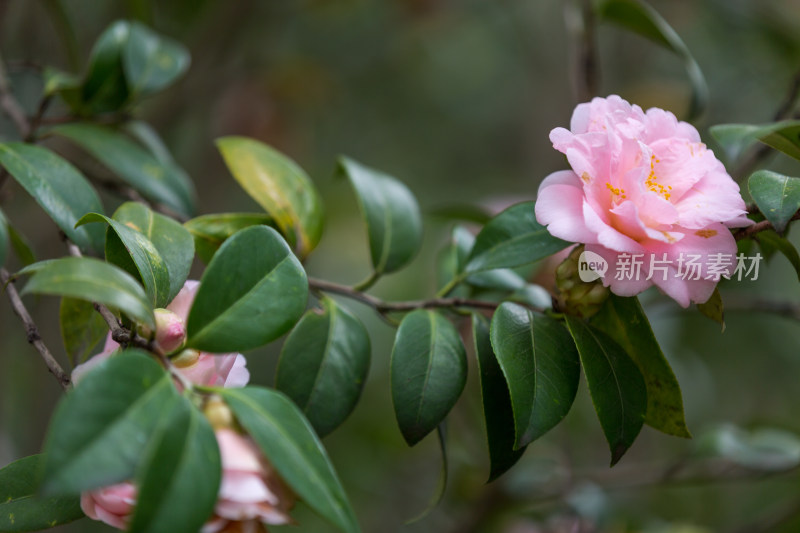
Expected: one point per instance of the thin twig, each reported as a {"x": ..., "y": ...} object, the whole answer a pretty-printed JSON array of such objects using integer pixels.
[
  {"x": 32, "y": 331},
  {"x": 580, "y": 21},
  {"x": 758, "y": 227},
  {"x": 383, "y": 306}
]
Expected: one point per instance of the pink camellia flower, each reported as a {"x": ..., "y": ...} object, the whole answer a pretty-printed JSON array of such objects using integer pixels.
[
  {"x": 645, "y": 195},
  {"x": 201, "y": 368},
  {"x": 112, "y": 505},
  {"x": 251, "y": 493}
]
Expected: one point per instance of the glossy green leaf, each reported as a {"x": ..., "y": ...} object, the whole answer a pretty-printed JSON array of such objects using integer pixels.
[
  {"x": 638, "y": 17},
  {"x": 92, "y": 280},
  {"x": 783, "y": 136},
  {"x": 441, "y": 484},
  {"x": 714, "y": 309},
  {"x": 161, "y": 183},
  {"x": 81, "y": 328},
  {"x": 618, "y": 391},
  {"x": 428, "y": 372},
  {"x": 149, "y": 138},
  {"x": 512, "y": 238},
  {"x": 541, "y": 368},
  {"x": 20, "y": 507},
  {"x": 58, "y": 187},
  {"x": 777, "y": 196},
  {"x": 497, "y": 410},
  {"x": 323, "y": 365},
  {"x": 151, "y": 62},
  {"x": 150, "y": 267},
  {"x": 172, "y": 241},
  {"x": 210, "y": 231},
  {"x": 180, "y": 475},
  {"x": 104, "y": 88},
  {"x": 100, "y": 429},
  {"x": 289, "y": 443},
  {"x": 278, "y": 185},
  {"x": 394, "y": 222},
  {"x": 21, "y": 246},
  {"x": 3, "y": 238},
  {"x": 499, "y": 279},
  {"x": 623, "y": 320},
  {"x": 253, "y": 291},
  {"x": 770, "y": 239}
]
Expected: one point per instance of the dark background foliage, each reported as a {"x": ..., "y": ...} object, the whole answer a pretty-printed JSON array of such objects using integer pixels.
[{"x": 455, "y": 98}]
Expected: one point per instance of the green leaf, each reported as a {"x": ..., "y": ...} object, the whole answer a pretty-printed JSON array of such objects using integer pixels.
[
  {"x": 253, "y": 291},
  {"x": 497, "y": 410},
  {"x": 771, "y": 240},
  {"x": 149, "y": 138},
  {"x": 783, "y": 136},
  {"x": 179, "y": 478},
  {"x": 623, "y": 320},
  {"x": 3, "y": 238},
  {"x": 21, "y": 245},
  {"x": 323, "y": 365},
  {"x": 104, "y": 88},
  {"x": 21, "y": 509},
  {"x": 641, "y": 18},
  {"x": 428, "y": 372},
  {"x": 714, "y": 310},
  {"x": 161, "y": 183},
  {"x": 289, "y": 443},
  {"x": 172, "y": 241},
  {"x": 618, "y": 391},
  {"x": 763, "y": 449},
  {"x": 92, "y": 280},
  {"x": 100, "y": 428},
  {"x": 151, "y": 62},
  {"x": 512, "y": 238},
  {"x": 130, "y": 244},
  {"x": 777, "y": 196},
  {"x": 441, "y": 485},
  {"x": 541, "y": 368},
  {"x": 58, "y": 187},
  {"x": 210, "y": 231},
  {"x": 279, "y": 185},
  {"x": 499, "y": 279},
  {"x": 81, "y": 328},
  {"x": 394, "y": 222}
]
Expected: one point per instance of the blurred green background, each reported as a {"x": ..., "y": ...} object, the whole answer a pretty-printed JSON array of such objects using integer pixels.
[{"x": 456, "y": 98}]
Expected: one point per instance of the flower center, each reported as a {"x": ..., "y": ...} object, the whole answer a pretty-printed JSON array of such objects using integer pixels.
[
  {"x": 652, "y": 181},
  {"x": 617, "y": 195}
]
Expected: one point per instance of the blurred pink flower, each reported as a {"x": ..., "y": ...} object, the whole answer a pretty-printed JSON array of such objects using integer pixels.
[
  {"x": 217, "y": 370},
  {"x": 250, "y": 492},
  {"x": 643, "y": 186},
  {"x": 112, "y": 505}
]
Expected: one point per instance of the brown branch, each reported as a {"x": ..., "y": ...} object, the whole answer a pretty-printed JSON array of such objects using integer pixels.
[
  {"x": 580, "y": 21},
  {"x": 758, "y": 227},
  {"x": 32, "y": 331},
  {"x": 383, "y": 306}
]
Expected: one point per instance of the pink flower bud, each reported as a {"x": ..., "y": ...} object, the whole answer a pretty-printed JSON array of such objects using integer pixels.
[
  {"x": 170, "y": 330},
  {"x": 112, "y": 505}
]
